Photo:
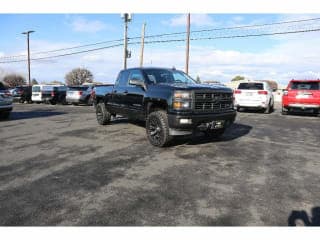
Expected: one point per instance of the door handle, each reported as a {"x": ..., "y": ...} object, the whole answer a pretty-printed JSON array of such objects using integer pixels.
[
  {"x": 125, "y": 92},
  {"x": 114, "y": 91}
]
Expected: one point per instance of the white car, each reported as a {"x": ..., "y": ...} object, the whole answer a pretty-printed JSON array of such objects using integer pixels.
[{"x": 254, "y": 95}]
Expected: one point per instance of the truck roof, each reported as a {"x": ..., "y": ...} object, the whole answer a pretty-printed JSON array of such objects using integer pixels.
[{"x": 146, "y": 68}]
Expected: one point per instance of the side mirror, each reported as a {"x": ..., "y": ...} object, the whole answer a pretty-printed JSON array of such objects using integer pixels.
[{"x": 137, "y": 83}]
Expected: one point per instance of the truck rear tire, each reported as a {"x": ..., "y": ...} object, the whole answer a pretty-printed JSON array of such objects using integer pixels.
[
  {"x": 103, "y": 116},
  {"x": 157, "y": 128}
]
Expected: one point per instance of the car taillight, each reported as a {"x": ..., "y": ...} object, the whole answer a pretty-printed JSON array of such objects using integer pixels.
[
  {"x": 52, "y": 94},
  {"x": 237, "y": 92},
  {"x": 263, "y": 92},
  {"x": 80, "y": 92}
]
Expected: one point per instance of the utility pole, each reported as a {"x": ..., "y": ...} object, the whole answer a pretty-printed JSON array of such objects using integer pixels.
[
  {"x": 188, "y": 43},
  {"x": 127, "y": 18},
  {"x": 28, "y": 43},
  {"x": 142, "y": 43}
]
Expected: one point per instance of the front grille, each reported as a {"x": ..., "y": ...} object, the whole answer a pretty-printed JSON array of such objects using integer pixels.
[{"x": 213, "y": 101}]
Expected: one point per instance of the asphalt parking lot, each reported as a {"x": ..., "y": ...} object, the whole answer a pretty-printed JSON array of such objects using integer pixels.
[{"x": 59, "y": 167}]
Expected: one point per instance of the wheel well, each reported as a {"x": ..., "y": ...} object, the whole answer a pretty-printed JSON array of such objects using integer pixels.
[{"x": 154, "y": 106}]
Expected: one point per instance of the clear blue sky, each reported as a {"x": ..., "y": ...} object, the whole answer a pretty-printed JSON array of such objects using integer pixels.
[{"x": 263, "y": 57}]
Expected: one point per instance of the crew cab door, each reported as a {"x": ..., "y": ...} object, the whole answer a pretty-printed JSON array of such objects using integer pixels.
[
  {"x": 135, "y": 92},
  {"x": 117, "y": 101}
]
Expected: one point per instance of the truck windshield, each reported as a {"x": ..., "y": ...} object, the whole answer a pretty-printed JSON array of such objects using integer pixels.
[
  {"x": 305, "y": 86},
  {"x": 157, "y": 76}
]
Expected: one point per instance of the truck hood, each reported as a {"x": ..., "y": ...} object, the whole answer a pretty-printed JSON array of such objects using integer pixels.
[{"x": 184, "y": 86}]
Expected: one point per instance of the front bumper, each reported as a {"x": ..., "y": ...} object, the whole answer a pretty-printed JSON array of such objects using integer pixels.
[{"x": 197, "y": 120}]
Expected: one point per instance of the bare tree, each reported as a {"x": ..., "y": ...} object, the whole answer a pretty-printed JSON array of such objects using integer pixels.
[
  {"x": 78, "y": 76},
  {"x": 34, "y": 81},
  {"x": 13, "y": 80}
]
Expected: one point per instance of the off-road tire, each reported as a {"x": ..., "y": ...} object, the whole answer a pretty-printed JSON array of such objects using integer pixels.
[
  {"x": 103, "y": 116},
  {"x": 157, "y": 129}
]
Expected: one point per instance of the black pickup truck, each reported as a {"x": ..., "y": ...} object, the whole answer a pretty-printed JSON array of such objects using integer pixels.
[{"x": 169, "y": 101}]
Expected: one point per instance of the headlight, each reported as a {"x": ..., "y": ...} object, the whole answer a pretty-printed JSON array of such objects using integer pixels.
[
  {"x": 182, "y": 100},
  {"x": 182, "y": 95}
]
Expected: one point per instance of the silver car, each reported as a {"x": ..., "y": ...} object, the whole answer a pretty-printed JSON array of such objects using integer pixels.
[
  {"x": 78, "y": 94},
  {"x": 5, "y": 102}
]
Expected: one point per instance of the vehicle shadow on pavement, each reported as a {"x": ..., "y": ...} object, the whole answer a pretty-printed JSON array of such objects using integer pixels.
[
  {"x": 296, "y": 217},
  {"x": 33, "y": 114},
  {"x": 235, "y": 131}
]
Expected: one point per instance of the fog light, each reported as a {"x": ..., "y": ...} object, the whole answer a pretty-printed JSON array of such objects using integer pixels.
[{"x": 185, "y": 121}]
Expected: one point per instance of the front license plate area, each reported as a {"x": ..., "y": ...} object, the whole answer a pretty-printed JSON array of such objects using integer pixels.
[{"x": 216, "y": 124}]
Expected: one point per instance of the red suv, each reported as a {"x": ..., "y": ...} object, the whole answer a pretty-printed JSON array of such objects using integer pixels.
[{"x": 302, "y": 95}]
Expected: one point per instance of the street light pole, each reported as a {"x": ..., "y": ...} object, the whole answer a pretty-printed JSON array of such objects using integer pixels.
[
  {"x": 142, "y": 44},
  {"x": 127, "y": 18},
  {"x": 188, "y": 43},
  {"x": 28, "y": 43}
]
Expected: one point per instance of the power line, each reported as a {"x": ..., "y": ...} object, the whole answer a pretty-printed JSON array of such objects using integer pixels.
[
  {"x": 164, "y": 35},
  {"x": 171, "y": 40},
  {"x": 66, "y": 54}
]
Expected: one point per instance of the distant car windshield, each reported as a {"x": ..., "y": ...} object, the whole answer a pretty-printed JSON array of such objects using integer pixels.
[
  {"x": 36, "y": 89},
  {"x": 251, "y": 86},
  {"x": 305, "y": 86},
  {"x": 157, "y": 76}
]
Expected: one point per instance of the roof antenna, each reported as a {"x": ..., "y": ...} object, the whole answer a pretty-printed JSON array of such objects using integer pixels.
[{"x": 174, "y": 68}]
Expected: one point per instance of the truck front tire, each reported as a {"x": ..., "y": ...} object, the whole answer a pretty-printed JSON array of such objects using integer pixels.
[
  {"x": 157, "y": 128},
  {"x": 103, "y": 116}
]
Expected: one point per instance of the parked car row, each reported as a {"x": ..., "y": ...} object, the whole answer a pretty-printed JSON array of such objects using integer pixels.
[
  {"x": 53, "y": 94},
  {"x": 300, "y": 96}
]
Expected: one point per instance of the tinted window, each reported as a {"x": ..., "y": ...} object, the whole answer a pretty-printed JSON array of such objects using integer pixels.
[
  {"x": 167, "y": 76},
  {"x": 136, "y": 75},
  {"x": 305, "y": 86},
  {"x": 122, "y": 78},
  {"x": 251, "y": 86}
]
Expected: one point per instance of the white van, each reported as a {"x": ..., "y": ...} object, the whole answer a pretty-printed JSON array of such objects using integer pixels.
[
  {"x": 37, "y": 93},
  {"x": 43, "y": 93}
]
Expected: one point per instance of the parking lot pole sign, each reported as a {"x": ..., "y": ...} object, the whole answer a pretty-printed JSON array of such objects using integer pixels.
[{"x": 28, "y": 44}]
